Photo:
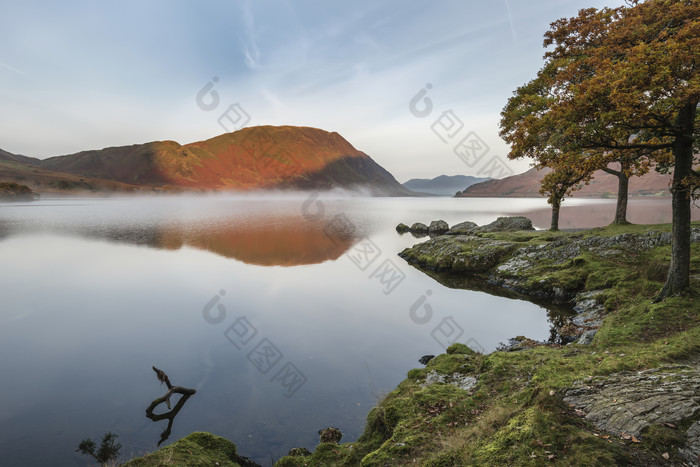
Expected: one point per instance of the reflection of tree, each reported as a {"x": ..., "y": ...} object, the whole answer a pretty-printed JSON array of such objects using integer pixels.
[{"x": 170, "y": 416}]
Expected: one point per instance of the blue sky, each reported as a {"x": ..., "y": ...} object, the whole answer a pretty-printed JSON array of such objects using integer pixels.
[{"x": 86, "y": 75}]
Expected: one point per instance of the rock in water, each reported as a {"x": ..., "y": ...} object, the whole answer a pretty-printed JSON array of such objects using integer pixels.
[
  {"x": 419, "y": 227},
  {"x": 402, "y": 228},
  {"x": 438, "y": 227}
]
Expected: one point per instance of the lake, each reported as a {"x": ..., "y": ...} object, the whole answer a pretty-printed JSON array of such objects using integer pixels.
[{"x": 287, "y": 314}]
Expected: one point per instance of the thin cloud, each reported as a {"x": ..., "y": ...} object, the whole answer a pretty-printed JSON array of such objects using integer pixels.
[
  {"x": 252, "y": 51},
  {"x": 513, "y": 33},
  {"x": 11, "y": 68}
]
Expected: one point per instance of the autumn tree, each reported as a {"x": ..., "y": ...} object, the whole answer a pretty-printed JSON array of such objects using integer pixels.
[
  {"x": 527, "y": 124},
  {"x": 620, "y": 81},
  {"x": 558, "y": 184}
]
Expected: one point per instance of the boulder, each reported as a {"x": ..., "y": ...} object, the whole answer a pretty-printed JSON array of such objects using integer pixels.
[
  {"x": 462, "y": 228},
  {"x": 419, "y": 227},
  {"x": 438, "y": 227},
  {"x": 402, "y": 228}
]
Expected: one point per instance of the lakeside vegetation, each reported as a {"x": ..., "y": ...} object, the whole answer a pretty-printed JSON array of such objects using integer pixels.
[{"x": 15, "y": 192}]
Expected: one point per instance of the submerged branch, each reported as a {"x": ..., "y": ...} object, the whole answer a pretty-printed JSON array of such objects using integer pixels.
[{"x": 170, "y": 416}]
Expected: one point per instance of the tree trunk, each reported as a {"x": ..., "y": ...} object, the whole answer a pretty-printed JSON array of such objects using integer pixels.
[
  {"x": 678, "y": 278},
  {"x": 554, "y": 225},
  {"x": 623, "y": 182}
]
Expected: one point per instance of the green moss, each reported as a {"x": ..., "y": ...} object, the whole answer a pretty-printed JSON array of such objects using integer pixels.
[
  {"x": 196, "y": 449},
  {"x": 459, "y": 348}
]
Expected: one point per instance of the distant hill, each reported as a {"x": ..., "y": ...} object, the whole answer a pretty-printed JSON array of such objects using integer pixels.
[
  {"x": 50, "y": 181},
  {"x": 263, "y": 157},
  {"x": 527, "y": 184},
  {"x": 444, "y": 185}
]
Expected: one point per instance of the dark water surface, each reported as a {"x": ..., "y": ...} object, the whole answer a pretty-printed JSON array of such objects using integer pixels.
[{"x": 286, "y": 314}]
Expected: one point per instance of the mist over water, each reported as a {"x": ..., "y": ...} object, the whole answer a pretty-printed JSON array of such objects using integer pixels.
[{"x": 96, "y": 291}]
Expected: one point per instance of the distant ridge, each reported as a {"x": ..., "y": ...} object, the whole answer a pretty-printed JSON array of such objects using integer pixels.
[
  {"x": 443, "y": 185},
  {"x": 263, "y": 157},
  {"x": 527, "y": 185}
]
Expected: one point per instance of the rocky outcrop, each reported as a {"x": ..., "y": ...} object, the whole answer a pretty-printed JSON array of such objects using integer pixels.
[
  {"x": 628, "y": 403},
  {"x": 464, "y": 254},
  {"x": 506, "y": 224},
  {"x": 509, "y": 263}
]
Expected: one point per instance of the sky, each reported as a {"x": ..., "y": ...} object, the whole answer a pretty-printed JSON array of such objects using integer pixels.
[{"x": 417, "y": 85}]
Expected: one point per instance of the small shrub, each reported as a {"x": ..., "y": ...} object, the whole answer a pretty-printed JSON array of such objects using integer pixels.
[{"x": 108, "y": 450}]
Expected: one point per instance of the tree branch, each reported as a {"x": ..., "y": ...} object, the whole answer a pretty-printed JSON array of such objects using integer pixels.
[{"x": 170, "y": 416}]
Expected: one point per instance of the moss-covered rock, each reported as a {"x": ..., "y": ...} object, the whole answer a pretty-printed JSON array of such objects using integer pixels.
[
  {"x": 463, "y": 254},
  {"x": 197, "y": 449}
]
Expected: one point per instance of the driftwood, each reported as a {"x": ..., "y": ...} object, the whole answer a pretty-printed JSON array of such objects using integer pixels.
[{"x": 170, "y": 416}]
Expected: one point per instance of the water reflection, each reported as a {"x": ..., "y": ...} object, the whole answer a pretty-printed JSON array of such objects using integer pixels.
[
  {"x": 278, "y": 241},
  {"x": 559, "y": 315}
]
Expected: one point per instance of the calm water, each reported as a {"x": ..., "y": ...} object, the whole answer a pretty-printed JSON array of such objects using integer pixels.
[{"x": 287, "y": 315}]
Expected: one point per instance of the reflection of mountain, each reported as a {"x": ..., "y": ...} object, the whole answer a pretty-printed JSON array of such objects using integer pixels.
[
  {"x": 278, "y": 241},
  {"x": 280, "y": 244}
]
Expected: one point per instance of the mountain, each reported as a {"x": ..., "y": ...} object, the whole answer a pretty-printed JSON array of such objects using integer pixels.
[
  {"x": 262, "y": 157},
  {"x": 444, "y": 185},
  {"x": 527, "y": 184}
]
